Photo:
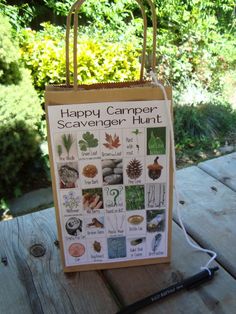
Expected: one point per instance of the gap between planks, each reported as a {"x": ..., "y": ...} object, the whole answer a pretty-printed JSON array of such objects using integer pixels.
[
  {"x": 214, "y": 177},
  {"x": 226, "y": 175},
  {"x": 115, "y": 294},
  {"x": 221, "y": 199}
]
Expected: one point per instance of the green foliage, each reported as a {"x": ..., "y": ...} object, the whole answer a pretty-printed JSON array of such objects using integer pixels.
[
  {"x": 203, "y": 127},
  {"x": 67, "y": 141},
  {"x": 180, "y": 16},
  {"x": 88, "y": 141},
  {"x": 59, "y": 7},
  {"x": 134, "y": 195},
  {"x": 43, "y": 53},
  {"x": 195, "y": 41},
  {"x": 9, "y": 54},
  {"x": 108, "y": 15},
  {"x": 173, "y": 16},
  {"x": 19, "y": 15},
  {"x": 98, "y": 14},
  {"x": 202, "y": 57},
  {"x": 20, "y": 116}
]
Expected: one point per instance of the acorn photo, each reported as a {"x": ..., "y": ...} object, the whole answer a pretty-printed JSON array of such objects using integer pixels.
[{"x": 154, "y": 170}]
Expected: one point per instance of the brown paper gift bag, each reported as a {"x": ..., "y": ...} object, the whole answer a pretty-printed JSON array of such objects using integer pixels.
[{"x": 109, "y": 148}]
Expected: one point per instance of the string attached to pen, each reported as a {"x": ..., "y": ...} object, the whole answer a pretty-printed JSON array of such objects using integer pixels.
[{"x": 195, "y": 246}]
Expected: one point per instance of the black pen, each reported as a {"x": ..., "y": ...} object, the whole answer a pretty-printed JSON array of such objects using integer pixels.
[{"x": 188, "y": 283}]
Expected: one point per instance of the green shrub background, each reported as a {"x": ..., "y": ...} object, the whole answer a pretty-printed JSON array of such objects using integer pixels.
[
  {"x": 43, "y": 53},
  {"x": 9, "y": 55},
  {"x": 202, "y": 129},
  {"x": 20, "y": 118}
]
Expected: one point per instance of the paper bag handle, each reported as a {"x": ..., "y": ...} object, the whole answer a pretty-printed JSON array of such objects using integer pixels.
[{"x": 75, "y": 9}]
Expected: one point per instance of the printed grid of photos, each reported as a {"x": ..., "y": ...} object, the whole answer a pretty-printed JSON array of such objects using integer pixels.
[{"x": 113, "y": 194}]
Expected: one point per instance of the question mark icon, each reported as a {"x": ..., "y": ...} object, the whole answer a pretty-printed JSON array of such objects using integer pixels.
[{"x": 115, "y": 193}]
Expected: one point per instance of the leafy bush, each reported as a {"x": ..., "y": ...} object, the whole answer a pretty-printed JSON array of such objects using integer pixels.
[
  {"x": 9, "y": 55},
  {"x": 43, "y": 54},
  {"x": 24, "y": 13},
  {"x": 195, "y": 41},
  {"x": 203, "y": 55},
  {"x": 203, "y": 127},
  {"x": 20, "y": 14},
  {"x": 20, "y": 116}
]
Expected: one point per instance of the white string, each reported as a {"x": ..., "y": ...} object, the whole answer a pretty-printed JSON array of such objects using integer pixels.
[{"x": 168, "y": 112}]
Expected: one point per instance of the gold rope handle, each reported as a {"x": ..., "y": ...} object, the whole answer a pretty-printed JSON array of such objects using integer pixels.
[
  {"x": 75, "y": 9},
  {"x": 154, "y": 34}
]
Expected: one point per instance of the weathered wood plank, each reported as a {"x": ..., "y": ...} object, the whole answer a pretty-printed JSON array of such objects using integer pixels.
[
  {"x": 223, "y": 169},
  {"x": 209, "y": 210},
  {"x": 217, "y": 296},
  {"x": 37, "y": 284},
  {"x": 12, "y": 289}
]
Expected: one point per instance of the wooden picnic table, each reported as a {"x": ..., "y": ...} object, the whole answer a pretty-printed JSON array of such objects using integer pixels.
[{"x": 31, "y": 284}]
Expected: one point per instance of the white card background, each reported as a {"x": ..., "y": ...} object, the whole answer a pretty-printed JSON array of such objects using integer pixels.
[{"x": 111, "y": 162}]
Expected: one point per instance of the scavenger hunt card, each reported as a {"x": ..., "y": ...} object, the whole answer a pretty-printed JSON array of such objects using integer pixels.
[{"x": 111, "y": 171}]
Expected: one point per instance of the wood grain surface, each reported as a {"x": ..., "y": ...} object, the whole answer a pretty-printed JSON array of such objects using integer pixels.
[
  {"x": 38, "y": 285},
  {"x": 223, "y": 169},
  {"x": 208, "y": 209}
]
